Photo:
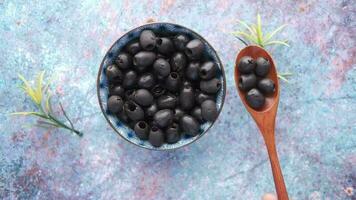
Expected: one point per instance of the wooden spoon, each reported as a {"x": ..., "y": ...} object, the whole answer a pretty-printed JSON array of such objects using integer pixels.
[{"x": 266, "y": 116}]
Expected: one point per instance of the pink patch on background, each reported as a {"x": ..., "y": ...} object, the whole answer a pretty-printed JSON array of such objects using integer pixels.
[
  {"x": 166, "y": 5},
  {"x": 342, "y": 66}
]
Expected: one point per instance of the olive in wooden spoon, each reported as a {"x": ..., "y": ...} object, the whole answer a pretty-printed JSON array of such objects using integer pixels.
[{"x": 264, "y": 115}]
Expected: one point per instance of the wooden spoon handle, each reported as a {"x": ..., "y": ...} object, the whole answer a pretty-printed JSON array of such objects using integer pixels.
[{"x": 277, "y": 172}]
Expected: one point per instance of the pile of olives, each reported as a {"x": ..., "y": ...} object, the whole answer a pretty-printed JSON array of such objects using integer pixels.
[
  {"x": 163, "y": 87},
  {"x": 253, "y": 80}
]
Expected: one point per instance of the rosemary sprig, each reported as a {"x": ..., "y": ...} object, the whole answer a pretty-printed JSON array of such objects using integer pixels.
[
  {"x": 41, "y": 97},
  {"x": 256, "y": 36}
]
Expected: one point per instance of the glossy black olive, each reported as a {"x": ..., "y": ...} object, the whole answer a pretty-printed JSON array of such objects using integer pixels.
[
  {"x": 147, "y": 40},
  {"x": 262, "y": 66},
  {"x": 143, "y": 97},
  {"x": 114, "y": 74},
  {"x": 186, "y": 98},
  {"x": 151, "y": 110},
  {"x": 133, "y": 48},
  {"x": 115, "y": 104},
  {"x": 180, "y": 41},
  {"x": 192, "y": 71},
  {"x": 178, "y": 113},
  {"x": 208, "y": 70},
  {"x": 194, "y": 49},
  {"x": 255, "y": 99},
  {"x": 189, "y": 125},
  {"x": 157, "y": 90},
  {"x": 172, "y": 82},
  {"x": 178, "y": 62},
  {"x": 196, "y": 113},
  {"x": 166, "y": 101},
  {"x": 211, "y": 86},
  {"x": 146, "y": 80},
  {"x": 209, "y": 111},
  {"x": 246, "y": 65},
  {"x": 172, "y": 134},
  {"x": 266, "y": 86},
  {"x": 163, "y": 117},
  {"x": 116, "y": 90},
  {"x": 143, "y": 59},
  {"x": 200, "y": 97},
  {"x": 133, "y": 111},
  {"x": 247, "y": 81},
  {"x": 124, "y": 60},
  {"x": 164, "y": 46},
  {"x": 130, "y": 79},
  {"x": 161, "y": 67},
  {"x": 142, "y": 130},
  {"x": 156, "y": 137}
]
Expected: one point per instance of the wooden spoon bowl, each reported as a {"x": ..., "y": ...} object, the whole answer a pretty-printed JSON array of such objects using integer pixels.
[{"x": 265, "y": 117}]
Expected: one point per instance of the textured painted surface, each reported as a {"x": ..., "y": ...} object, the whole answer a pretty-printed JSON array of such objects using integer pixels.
[{"x": 316, "y": 129}]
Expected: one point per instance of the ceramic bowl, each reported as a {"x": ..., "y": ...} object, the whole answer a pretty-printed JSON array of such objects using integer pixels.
[{"x": 102, "y": 86}]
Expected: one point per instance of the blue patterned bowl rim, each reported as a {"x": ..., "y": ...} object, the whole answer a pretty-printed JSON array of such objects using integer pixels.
[{"x": 102, "y": 86}]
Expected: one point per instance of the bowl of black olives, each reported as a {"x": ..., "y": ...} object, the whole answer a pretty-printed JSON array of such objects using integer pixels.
[{"x": 161, "y": 86}]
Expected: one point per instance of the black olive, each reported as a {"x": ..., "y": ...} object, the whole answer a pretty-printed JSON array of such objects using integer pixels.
[
  {"x": 200, "y": 97},
  {"x": 129, "y": 94},
  {"x": 192, "y": 71},
  {"x": 143, "y": 97},
  {"x": 211, "y": 86},
  {"x": 189, "y": 125},
  {"x": 164, "y": 46},
  {"x": 172, "y": 134},
  {"x": 208, "y": 70},
  {"x": 178, "y": 62},
  {"x": 187, "y": 84},
  {"x": 147, "y": 40},
  {"x": 180, "y": 41},
  {"x": 161, "y": 67},
  {"x": 255, "y": 99},
  {"x": 196, "y": 113},
  {"x": 114, "y": 74},
  {"x": 115, "y": 104},
  {"x": 123, "y": 116},
  {"x": 116, "y": 90},
  {"x": 156, "y": 137},
  {"x": 151, "y": 110},
  {"x": 266, "y": 86},
  {"x": 157, "y": 90},
  {"x": 124, "y": 60},
  {"x": 209, "y": 111},
  {"x": 262, "y": 66},
  {"x": 133, "y": 48},
  {"x": 172, "y": 82},
  {"x": 246, "y": 65},
  {"x": 143, "y": 59},
  {"x": 130, "y": 79},
  {"x": 163, "y": 117},
  {"x": 133, "y": 111},
  {"x": 142, "y": 129},
  {"x": 194, "y": 49},
  {"x": 186, "y": 98},
  {"x": 178, "y": 113},
  {"x": 247, "y": 81},
  {"x": 166, "y": 101},
  {"x": 146, "y": 80}
]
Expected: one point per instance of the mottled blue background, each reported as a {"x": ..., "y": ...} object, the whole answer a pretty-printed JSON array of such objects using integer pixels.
[{"x": 316, "y": 128}]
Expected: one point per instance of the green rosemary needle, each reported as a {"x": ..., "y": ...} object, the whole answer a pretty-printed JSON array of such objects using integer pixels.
[{"x": 41, "y": 97}]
